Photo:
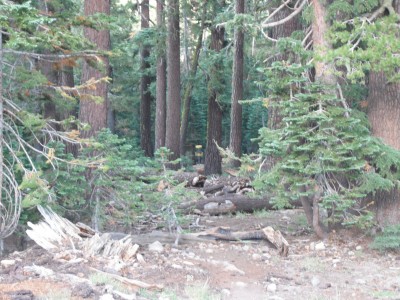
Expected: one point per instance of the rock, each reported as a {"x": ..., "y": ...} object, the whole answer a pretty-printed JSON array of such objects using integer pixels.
[
  {"x": 246, "y": 248},
  {"x": 359, "y": 248},
  {"x": 106, "y": 297},
  {"x": 83, "y": 290},
  {"x": 124, "y": 296},
  {"x": 360, "y": 281},
  {"x": 140, "y": 259},
  {"x": 178, "y": 267},
  {"x": 226, "y": 292},
  {"x": 265, "y": 249},
  {"x": 256, "y": 256},
  {"x": 266, "y": 256},
  {"x": 312, "y": 246},
  {"x": 271, "y": 288},
  {"x": 156, "y": 247},
  {"x": 21, "y": 295},
  {"x": 191, "y": 254},
  {"x": 315, "y": 281},
  {"x": 350, "y": 253},
  {"x": 38, "y": 270},
  {"x": 241, "y": 284},
  {"x": 320, "y": 246},
  {"x": 6, "y": 263},
  {"x": 326, "y": 286},
  {"x": 209, "y": 251}
]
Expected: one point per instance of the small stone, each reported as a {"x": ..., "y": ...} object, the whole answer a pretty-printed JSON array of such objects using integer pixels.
[
  {"x": 178, "y": 267},
  {"x": 140, "y": 259},
  {"x": 273, "y": 279},
  {"x": 209, "y": 251},
  {"x": 271, "y": 288},
  {"x": 246, "y": 248},
  {"x": 7, "y": 263},
  {"x": 83, "y": 290},
  {"x": 315, "y": 281},
  {"x": 336, "y": 260},
  {"x": 359, "y": 248},
  {"x": 266, "y": 256},
  {"x": 265, "y": 249},
  {"x": 312, "y": 246},
  {"x": 320, "y": 246},
  {"x": 350, "y": 253},
  {"x": 256, "y": 256},
  {"x": 360, "y": 281},
  {"x": 156, "y": 247},
  {"x": 106, "y": 297},
  {"x": 326, "y": 286},
  {"x": 241, "y": 284},
  {"x": 226, "y": 292},
  {"x": 191, "y": 254}
]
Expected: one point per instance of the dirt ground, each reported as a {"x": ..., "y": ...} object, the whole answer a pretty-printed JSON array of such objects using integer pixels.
[{"x": 343, "y": 267}]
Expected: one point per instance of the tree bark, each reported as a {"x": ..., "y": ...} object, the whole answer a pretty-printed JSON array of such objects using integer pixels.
[
  {"x": 145, "y": 81},
  {"x": 187, "y": 96},
  {"x": 91, "y": 112},
  {"x": 213, "y": 158},
  {"x": 324, "y": 74},
  {"x": 237, "y": 89},
  {"x": 281, "y": 31},
  {"x": 173, "y": 122},
  {"x": 384, "y": 117},
  {"x": 161, "y": 80},
  {"x": 323, "y": 70}
]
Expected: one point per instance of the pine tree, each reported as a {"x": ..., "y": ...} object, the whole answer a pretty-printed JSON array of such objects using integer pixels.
[{"x": 93, "y": 106}]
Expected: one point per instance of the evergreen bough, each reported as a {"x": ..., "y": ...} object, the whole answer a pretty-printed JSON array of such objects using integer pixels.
[{"x": 322, "y": 149}]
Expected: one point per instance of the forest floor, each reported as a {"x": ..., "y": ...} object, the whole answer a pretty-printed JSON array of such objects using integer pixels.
[{"x": 343, "y": 267}]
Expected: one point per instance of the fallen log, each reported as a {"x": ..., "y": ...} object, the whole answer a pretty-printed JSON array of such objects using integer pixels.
[
  {"x": 213, "y": 188},
  {"x": 191, "y": 179},
  {"x": 268, "y": 234},
  {"x": 241, "y": 203},
  {"x": 60, "y": 235}
]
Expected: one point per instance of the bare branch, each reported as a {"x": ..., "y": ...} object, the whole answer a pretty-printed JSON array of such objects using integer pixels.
[{"x": 288, "y": 18}]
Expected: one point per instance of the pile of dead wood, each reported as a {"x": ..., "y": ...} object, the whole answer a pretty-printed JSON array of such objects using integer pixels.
[
  {"x": 215, "y": 186},
  {"x": 223, "y": 195}
]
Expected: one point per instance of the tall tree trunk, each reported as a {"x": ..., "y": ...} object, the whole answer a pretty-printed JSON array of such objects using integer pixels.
[
  {"x": 92, "y": 112},
  {"x": 161, "y": 80},
  {"x": 384, "y": 117},
  {"x": 145, "y": 81},
  {"x": 213, "y": 158},
  {"x": 323, "y": 70},
  {"x": 281, "y": 31},
  {"x": 324, "y": 74},
  {"x": 173, "y": 83},
  {"x": 237, "y": 89},
  {"x": 187, "y": 96},
  {"x": 66, "y": 78}
]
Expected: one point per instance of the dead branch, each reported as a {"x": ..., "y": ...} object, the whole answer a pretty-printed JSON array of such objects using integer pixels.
[
  {"x": 288, "y": 18},
  {"x": 267, "y": 234},
  {"x": 133, "y": 282}
]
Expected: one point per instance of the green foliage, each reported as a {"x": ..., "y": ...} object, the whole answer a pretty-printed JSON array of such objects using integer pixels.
[
  {"x": 362, "y": 46},
  {"x": 323, "y": 146},
  {"x": 388, "y": 240}
]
